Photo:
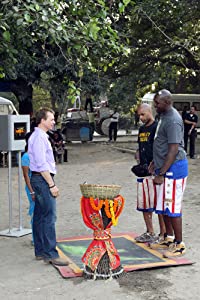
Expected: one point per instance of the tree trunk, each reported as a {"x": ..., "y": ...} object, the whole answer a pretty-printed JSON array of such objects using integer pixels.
[
  {"x": 53, "y": 99},
  {"x": 23, "y": 92}
]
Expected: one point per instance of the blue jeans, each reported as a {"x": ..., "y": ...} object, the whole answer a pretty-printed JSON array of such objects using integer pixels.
[{"x": 44, "y": 219}]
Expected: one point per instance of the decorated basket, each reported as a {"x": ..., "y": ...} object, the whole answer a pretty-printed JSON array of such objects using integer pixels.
[{"x": 100, "y": 191}]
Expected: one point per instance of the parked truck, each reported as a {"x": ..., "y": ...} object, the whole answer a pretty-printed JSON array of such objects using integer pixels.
[{"x": 79, "y": 125}]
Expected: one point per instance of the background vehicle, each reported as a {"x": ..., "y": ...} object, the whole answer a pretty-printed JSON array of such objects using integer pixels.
[
  {"x": 179, "y": 102},
  {"x": 7, "y": 107},
  {"x": 75, "y": 126},
  {"x": 79, "y": 125}
]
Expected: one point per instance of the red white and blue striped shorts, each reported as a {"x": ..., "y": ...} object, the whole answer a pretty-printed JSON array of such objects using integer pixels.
[
  {"x": 170, "y": 196},
  {"x": 146, "y": 194}
]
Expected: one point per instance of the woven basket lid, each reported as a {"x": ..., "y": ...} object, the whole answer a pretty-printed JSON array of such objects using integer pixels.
[{"x": 100, "y": 191}]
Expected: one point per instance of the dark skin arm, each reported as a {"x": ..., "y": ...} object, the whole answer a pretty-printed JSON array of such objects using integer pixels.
[
  {"x": 151, "y": 168},
  {"x": 137, "y": 156},
  {"x": 170, "y": 158},
  {"x": 25, "y": 170}
]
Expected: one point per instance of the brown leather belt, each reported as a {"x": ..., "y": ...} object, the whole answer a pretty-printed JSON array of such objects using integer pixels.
[
  {"x": 39, "y": 174},
  {"x": 36, "y": 173}
]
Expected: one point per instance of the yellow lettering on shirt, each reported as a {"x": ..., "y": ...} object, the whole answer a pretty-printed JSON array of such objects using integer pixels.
[{"x": 143, "y": 136}]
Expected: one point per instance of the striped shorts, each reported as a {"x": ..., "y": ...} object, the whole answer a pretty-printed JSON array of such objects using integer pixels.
[
  {"x": 169, "y": 197},
  {"x": 146, "y": 194}
]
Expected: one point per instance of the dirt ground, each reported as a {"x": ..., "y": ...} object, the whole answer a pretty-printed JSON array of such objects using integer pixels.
[{"x": 21, "y": 277}]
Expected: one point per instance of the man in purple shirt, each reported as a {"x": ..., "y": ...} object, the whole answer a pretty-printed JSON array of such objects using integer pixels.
[{"x": 42, "y": 165}]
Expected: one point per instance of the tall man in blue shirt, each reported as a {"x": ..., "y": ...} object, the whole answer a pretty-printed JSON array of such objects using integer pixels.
[{"x": 42, "y": 165}]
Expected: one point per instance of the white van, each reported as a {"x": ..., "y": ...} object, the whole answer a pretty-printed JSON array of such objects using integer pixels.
[
  {"x": 179, "y": 102},
  {"x": 7, "y": 107}
]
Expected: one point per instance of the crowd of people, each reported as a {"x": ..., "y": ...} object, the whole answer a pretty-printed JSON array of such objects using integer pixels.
[{"x": 160, "y": 150}]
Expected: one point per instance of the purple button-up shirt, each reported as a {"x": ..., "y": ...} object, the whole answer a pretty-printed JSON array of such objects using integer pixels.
[{"x": 40, "y": 152}]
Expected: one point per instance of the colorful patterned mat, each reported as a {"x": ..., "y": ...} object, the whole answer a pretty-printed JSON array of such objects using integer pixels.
[{"x": 134, "y": 256}]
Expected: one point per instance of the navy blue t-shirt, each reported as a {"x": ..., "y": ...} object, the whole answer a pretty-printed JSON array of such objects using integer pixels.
[
  {"x": 145, "y": 141},
  {"x": 191, "y": 118}
]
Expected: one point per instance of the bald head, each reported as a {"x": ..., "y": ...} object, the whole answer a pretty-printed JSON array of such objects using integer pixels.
[
  {"x": 163, "y": 101},
  {"x": 145, "y": 114},
  {"x": 145, "y": 107}
]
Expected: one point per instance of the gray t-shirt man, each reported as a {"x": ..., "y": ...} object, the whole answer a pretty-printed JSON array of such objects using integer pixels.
[{"x": 170, "y": 130}]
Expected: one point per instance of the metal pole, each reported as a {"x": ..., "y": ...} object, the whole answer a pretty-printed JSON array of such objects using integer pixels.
[
  {"x": 10, "y": 189},
  {"x": 20, "y": 189},
  {"x": 4, "y": 159}
]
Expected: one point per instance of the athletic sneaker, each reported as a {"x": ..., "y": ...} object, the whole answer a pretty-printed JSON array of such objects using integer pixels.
[
  {"x": 175, "y": 250},
  {"x": 146, "y": 238},
  {"x": 162, "y": 243}
]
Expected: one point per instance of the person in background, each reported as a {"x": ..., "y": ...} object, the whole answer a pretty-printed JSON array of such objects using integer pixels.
[
  {"x": 42, "y": 165},
  {"x": 88, "y": 101},
  {"x": 113, "y": 127},
  {"x": 27, "y": 175},
  {"x": 170, "y": 167},
  {"x": 190, "y": 123},
  {"x": 32, "y": 124},
  {"x": 146, "y": 192},
  {"x": 58, "y": 146},
  {"x": 184, "y": 112},
  {"x": 57, "y": 121},
  {"x": 92, "y": 124}
]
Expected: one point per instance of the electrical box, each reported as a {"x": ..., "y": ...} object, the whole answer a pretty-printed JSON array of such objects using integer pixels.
[{"x": 13, "y": 129}]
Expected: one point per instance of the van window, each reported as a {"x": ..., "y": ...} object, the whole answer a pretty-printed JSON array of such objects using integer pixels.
[
  {"x": 7, "y": 107},
  {"x": 197, "y": 105},
  {"x": 4, "y": 109},
  {"x": 180, "y": 105}
]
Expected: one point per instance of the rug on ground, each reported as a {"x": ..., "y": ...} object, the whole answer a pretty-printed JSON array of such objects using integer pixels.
[{"x": 134, "y": 256}]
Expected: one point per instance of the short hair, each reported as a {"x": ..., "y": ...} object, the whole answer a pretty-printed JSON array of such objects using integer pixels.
[{"x": 42, "y": 114}]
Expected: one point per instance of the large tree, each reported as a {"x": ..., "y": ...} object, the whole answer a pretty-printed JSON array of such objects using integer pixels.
[
  {"x": 60, "y": 38},
  {"x": 63, "y": 42},
  {"x": 163, "y": 39}
]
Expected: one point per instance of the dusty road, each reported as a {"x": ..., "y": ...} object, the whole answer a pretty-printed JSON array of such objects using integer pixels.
[{"x": 21, "y": 277}]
